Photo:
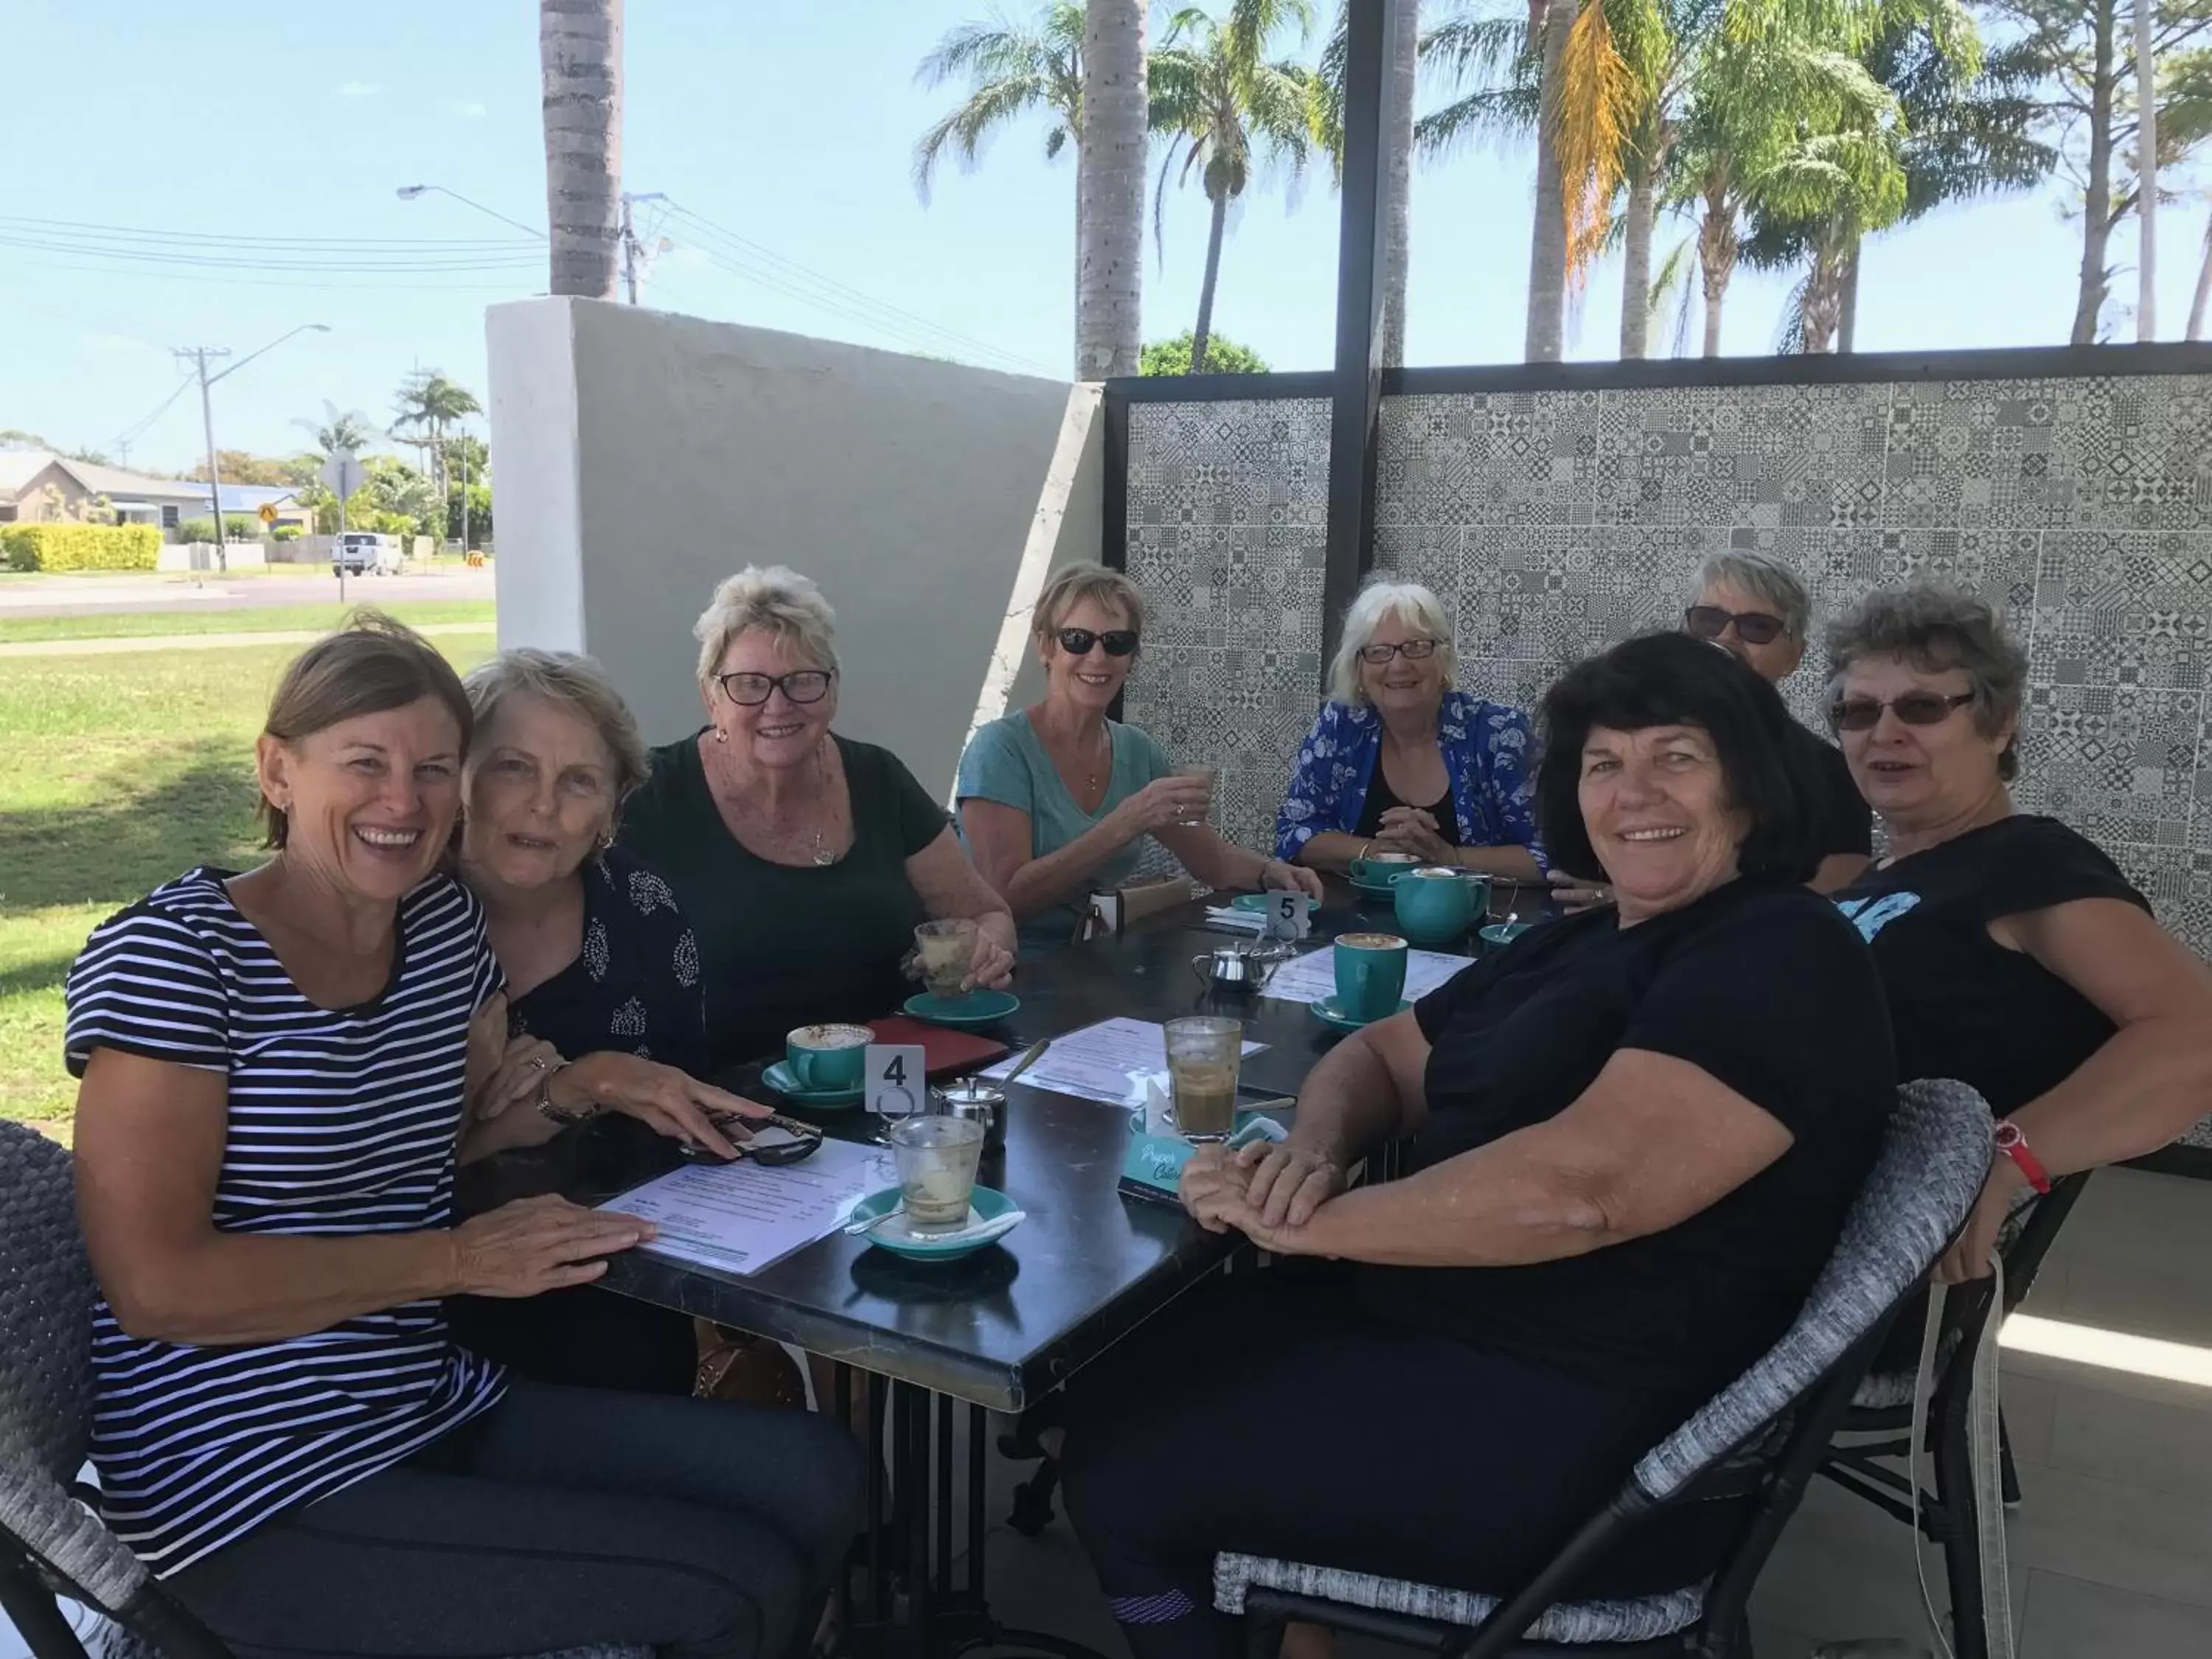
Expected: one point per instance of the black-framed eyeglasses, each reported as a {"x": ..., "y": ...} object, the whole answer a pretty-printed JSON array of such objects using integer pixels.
[
  {"x": 1412, "y": 650},
  {"x": 1077, "y": 641},
  {"x": 800, "y": 685},
  {"x": 1914, "y": 708},
  {"x": 1709, "y": 622}
]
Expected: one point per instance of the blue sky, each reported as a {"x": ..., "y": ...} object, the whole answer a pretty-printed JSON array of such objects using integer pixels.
[{"x": 790, "y": 124}]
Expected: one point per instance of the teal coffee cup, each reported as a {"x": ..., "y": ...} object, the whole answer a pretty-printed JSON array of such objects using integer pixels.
[
  {"x": 827, "y": 1056},
  {"x": 1370, "y": 975},
  {"x": 1435, "y": 905},
  {"x": 1380, "y": 867}
]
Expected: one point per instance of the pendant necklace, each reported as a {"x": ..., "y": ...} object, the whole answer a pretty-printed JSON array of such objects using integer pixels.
[{"x": 823, "y": 858}]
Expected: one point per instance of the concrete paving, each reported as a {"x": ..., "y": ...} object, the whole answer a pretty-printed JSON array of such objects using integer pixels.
[{"x": 27, "y": 597}]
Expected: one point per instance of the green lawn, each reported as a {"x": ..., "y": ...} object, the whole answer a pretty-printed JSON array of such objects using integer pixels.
[
  {"x": 120, "y": 771},
  {"x": 259, "y": 619}
]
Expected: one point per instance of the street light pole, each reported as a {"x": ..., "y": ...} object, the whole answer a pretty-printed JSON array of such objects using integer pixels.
[
  {"x": 631, "y": 259},
  {"x": 198, "y": 357}
]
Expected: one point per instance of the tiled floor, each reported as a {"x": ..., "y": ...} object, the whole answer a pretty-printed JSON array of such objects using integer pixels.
[{"x": 2111, "y": 1548}]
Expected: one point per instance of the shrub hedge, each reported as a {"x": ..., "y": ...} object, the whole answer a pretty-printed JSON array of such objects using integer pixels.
[{"x": 81, "y": 546}]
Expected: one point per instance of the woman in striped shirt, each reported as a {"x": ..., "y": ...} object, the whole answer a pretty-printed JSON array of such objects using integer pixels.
[{"x": 275, "y": 1068}]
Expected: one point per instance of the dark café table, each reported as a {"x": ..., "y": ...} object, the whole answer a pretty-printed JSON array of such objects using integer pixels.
[{"x": 1002, "y": 1328}]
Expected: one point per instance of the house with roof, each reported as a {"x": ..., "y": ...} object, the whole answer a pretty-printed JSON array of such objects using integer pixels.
[{"x": 37, "y": 486}]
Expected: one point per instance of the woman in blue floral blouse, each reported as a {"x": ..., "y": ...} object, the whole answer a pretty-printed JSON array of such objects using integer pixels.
[{"x": 1401, "y": 760}]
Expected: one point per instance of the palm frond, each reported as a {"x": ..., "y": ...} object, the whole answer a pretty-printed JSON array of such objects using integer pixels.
[
  {"x": 1499, "y": 116},
  {"x": 1485, "y": 49},
  {"x": 964, "y": 131},
  {"x": 1790, "y": 334},
  {"x": 1595, "y": 109}
]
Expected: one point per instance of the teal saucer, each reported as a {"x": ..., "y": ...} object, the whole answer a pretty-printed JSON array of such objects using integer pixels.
[
  {"x": 976, "y": 1008},
  {"x": 1329, "y": 1013},
  {"x": 778, "y": 1076},
  {"x": 987, "y": 1202},
  {"x": 1505, "y": 933},
  {"x": 1374, "y": 889},
  {"x": 1261, "y": 902}
]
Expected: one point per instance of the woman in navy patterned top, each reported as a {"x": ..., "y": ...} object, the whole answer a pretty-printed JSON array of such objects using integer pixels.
[
  {"x": 1399, "y": 760},
  {"x": 602, "y": 971},
  {"x": 275, "y": 1071}
]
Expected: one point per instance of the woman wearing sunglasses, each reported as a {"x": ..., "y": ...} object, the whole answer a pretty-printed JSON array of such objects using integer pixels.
[
  {"x": 1056, "y": 801},
  {"x": 1402, "y": 760},
  {"x": 2016, "y": 957},
  {"x": 804, "y": 860}
]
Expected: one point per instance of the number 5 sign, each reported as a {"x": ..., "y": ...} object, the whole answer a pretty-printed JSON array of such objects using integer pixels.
[{"x": 897, "y": 1078}]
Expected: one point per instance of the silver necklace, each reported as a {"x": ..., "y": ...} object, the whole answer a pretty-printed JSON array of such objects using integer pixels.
[{"x": 823, "y": 858}]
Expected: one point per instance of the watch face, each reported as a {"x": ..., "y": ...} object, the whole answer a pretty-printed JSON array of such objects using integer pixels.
[{"x": 2007, "y": 1135}]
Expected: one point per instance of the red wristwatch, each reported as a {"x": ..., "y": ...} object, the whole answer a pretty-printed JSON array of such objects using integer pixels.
[{"x": 2014, "y": 1144}]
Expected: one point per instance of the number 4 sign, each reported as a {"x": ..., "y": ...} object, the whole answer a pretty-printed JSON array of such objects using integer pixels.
[{"x": 897, "y": 1078}]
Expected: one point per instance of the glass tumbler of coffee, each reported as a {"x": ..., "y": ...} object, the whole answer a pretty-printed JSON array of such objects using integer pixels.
[
  {"x": 1204, "y": 1054},
  {"x": 936, "y": 1158},
  {"x": 1211, "y": 777},
  {"x": 945, "y": 951}
]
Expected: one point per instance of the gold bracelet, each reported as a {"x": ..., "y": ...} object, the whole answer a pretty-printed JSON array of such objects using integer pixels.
[{"x": 1365, "y": 846}]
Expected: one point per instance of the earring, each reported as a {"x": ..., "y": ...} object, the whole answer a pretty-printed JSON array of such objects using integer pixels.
[
  {"x": 606, "y": 842},
  {"x": 720, "y": 736}
]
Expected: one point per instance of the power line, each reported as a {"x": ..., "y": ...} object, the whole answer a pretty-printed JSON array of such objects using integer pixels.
[
  {"x": 137, "y": 429},
  {"x": 358, "y": 264},
  {"x": 73, "y": 228},
  {"x": 508, "y": 288},
  {"x": 743, "y": 257}
]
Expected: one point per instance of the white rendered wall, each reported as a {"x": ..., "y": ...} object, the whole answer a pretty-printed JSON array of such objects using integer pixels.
[{"x": 642, "y": 457}]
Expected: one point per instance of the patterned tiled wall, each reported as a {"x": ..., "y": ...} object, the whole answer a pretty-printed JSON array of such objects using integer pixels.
[{"x": 1557, "y": 522}]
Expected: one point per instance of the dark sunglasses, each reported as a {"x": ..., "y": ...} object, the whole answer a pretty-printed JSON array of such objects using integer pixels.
[
  {"x": 1413, "y": 651},
  {"x": 751, "y": 690},
  {"x": 1077, "y": 641},
  {"x": 1914, "y": 708},
  {"x": 1709, "y": 622}
]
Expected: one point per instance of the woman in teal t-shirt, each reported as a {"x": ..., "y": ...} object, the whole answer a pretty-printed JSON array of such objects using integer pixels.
[{"x": 1054, "y": 800}]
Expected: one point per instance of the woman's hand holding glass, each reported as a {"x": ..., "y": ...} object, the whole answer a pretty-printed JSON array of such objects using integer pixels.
[
  {"x": 991, "y": 967},
  {"x": 1163, "y": 804}
]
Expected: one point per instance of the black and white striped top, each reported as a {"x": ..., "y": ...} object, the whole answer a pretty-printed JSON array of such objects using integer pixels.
[{"x": 339, "y": 1122}]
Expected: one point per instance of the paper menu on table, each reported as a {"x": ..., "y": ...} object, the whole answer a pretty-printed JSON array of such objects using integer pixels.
[
  {"x": 742, "y": 1216},
  {"x": 1109, "y": 1062},
  {"x": 1312, "y": 976}
]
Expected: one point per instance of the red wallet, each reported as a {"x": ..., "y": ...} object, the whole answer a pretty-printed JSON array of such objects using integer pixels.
[{"x": 945, "y": 1051}]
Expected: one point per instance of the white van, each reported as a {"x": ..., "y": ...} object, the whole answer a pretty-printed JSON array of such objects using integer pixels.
[{"x": 360, "y": 553}]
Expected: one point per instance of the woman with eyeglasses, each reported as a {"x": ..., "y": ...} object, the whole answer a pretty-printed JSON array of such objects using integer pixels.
[
  {"x": 803, "y": 860},
  {"x": 1055, "y": 800},
  {"x": 1402, "y": 760},
  {"x": 2016, "y": 957}
]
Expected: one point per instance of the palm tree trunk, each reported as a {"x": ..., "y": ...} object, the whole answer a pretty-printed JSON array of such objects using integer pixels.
[
  {"x": 2146, "y": 176},
  {"x": 2097, "y": 197},
  {"x": 2204, "y": 291},
  {"x": 580, "y": 60},
  {"x": 1397, "y": 179},
  {"x": 1547, "y": 247},
  {"x": 1823, "y": 303},
  {"x": 1205, "y": 329},
  {"x": 1847, "y": 323},
  {"x": 1636, "y": 261},
  {"x": 1109, "y": 188},
  {"x": 1717, "y": 246}
]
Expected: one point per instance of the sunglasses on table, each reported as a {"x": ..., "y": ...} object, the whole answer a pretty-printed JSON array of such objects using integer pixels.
[
  {"x": 751, "y": 690},
  {"x": 1077, "y": 641},
  {"x": 1709, "y": 622},
  {"x": 1412, "y": 650},
  {"x": 1914, "y": 708}
]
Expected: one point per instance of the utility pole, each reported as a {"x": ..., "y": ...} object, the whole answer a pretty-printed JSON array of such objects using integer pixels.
[
  {"x": 633, "y": 254},
  {"x": 198, "y": 357}
]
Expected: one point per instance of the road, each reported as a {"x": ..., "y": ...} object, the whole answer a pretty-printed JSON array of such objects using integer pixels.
[{"x": 99, "y": 596}]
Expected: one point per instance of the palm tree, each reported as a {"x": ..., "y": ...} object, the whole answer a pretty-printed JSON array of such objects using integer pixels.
[
  {"x": 346, "y": 433},
  {"x": 2145, "y": 175},
  {"x": 1227, "y": 108},
  {"x": 1401, "y": 77},
  {"x": 1012, "y": 70},
  {"x": 580, "y": 62},
  {"x": 1109, "y": 187},
  {"x": 1779, "y": 125},
  {"x": 432, "y": 404}
]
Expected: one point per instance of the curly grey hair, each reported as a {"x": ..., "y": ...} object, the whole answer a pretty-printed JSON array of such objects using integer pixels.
[
  {"x": 571, "y": 683},
  {"x": 1936, "y": 628},
  {"x": 773, "y": 597},
  {"x": 1768, "y": 580}
]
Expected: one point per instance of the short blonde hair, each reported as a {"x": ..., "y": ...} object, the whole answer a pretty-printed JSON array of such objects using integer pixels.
[
  {"x": 772, "y": 597},
  {"x": 1075, "y": 583},
  {"x": 574, "y": 683},
  {"x": 1379, "y": 600}
]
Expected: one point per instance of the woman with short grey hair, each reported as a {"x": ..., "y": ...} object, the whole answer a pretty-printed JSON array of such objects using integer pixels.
[
  {"x": 1401, "y": 760},
  {"x": 803, "y": 860},
  {"x": 2016, "y": 957},
  {"x": 604, "y": 1022}
]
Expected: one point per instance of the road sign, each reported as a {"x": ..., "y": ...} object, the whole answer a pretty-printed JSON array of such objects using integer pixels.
[
  {"x": 342, "y": 472},
  {"x": 269, "y": 513}
]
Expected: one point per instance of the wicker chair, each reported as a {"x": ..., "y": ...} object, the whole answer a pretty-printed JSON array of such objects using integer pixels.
[
  {"x": 54, "y": 1547},
  {"x": 1755, "y": 1446}
]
